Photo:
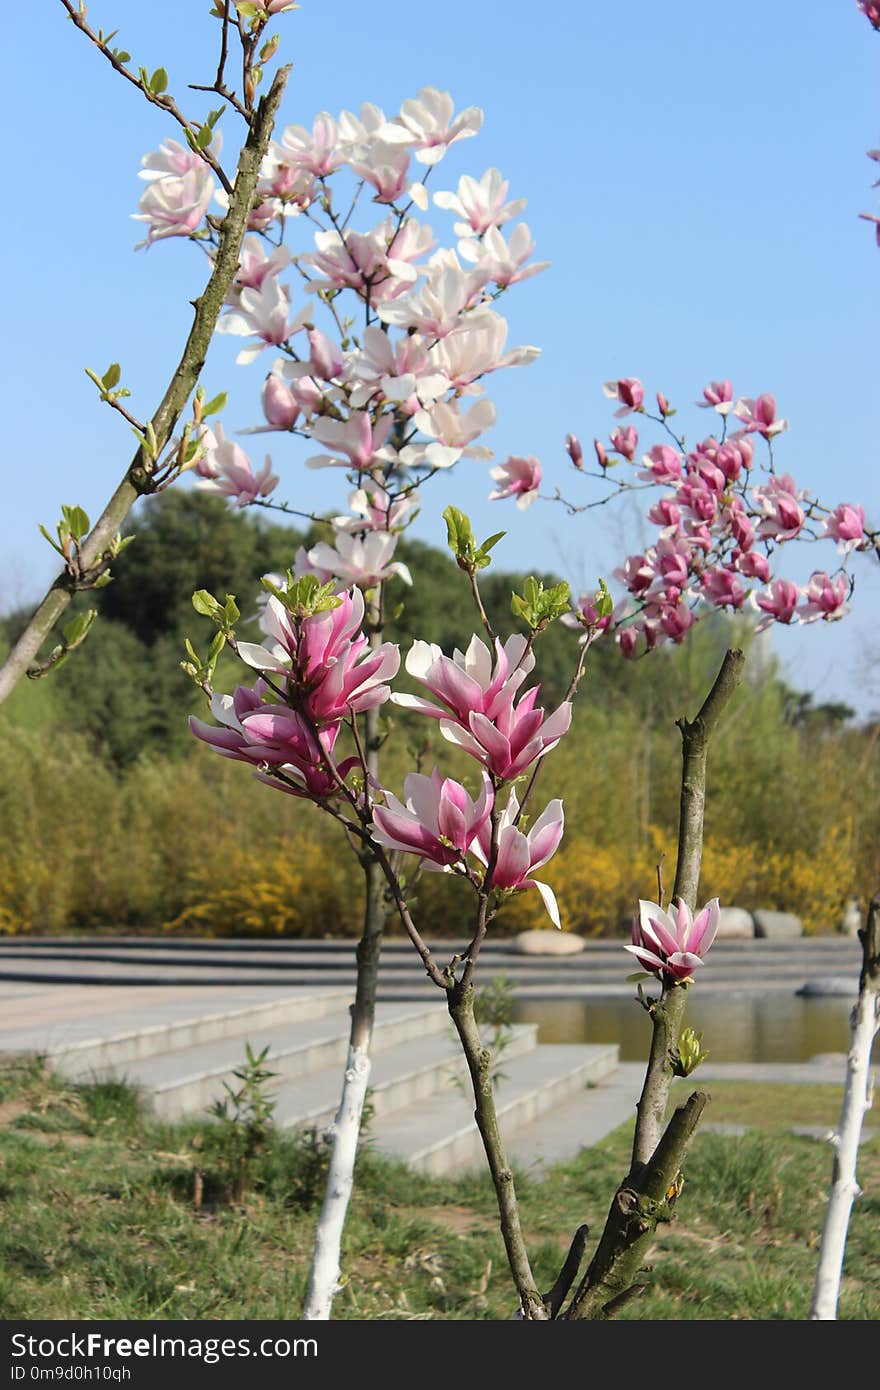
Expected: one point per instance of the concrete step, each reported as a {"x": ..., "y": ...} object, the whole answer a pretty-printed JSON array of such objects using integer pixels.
[
  {"x": 439, "y": 1136},
  {"x": 90, "y": 1046},
  {"x": 188, "y": 1081},
  {"x": 401, "y": 1077},
  {"x": 243, "y": 966},
  {"x": 586, "y": 1118}
]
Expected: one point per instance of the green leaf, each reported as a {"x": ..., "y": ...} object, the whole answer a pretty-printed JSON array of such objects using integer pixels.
[
  {"x": 111, "y": 376},
  {"x": 51, "y": 539},
  {"x": 231, "y": 610},
  {"x": 159, "y": 81},
  {"x": 77, "y": 521},
  {"x": 121, "y": 56},
  {"x": 215, "y": 405},
  {"x": 77, "y": 630},
  {"x": 493, "y": 541},
  {"x": 204, "y": 137},
  {"x": 206, "y": 604},
  {"x": 637, "y": 976}
]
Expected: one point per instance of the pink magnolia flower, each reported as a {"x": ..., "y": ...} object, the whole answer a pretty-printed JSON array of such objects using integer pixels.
[
  {"x": 263, "y": 313},
  {"x": 435, "y": 309},
  {"x": 666, "y": 512},
  {"x": 698, "y": 499},
  {"x": 499, "y": 261},
  {"x": 672, "y": 944},
  {"x": 174, "y": 160},
  {"x": 280, "y": 406},
  {"x": 439, "y": 821},
  {"x": 254, "y": 265},
  {"x": 722, "y": 587},
  {"x": 871, "y": 10},
  {"x": 364, "y": 560},
  {"x": 263, "y": 214},
  {"x": 662, "y": 464},
  {"x": 752, "y": 564},
  {"x": 778, "y": 501},
  {"x": 734, "y": 455},
  {"x": 586, "y": 615},
  {"x": 520, "y": 854},
  {"x": 226, "y": 469},
  {"x": 426, "y": 122},
  {"x": 846, "y": 525},
  {"x": 519, "y": 478},
  {"x": 575, "y": 451},
  {"x": 374, "y": 511},
  {"x": 517, "y": 736},
  {"x": 601, "y": 455},
  {"x": 628, "y": 640},
  {"x": 386, "y": 167},
  {"x": 778, "y": 601},
  {"x": 325, "y": 658},
  {"x": 454, "y": 430},
  {"x": 475, "y": 348},
  {"x": 174, "y": 205},
  {"x": 629, "y": 391},
  {"x": 316, "y": 151},
  {"x": 269, "y": 7},
  {"x": 637, "y": 573},
  {"x": 285, "y": 187},
  {"x": 625, "y": 440},
  {"x": 718, "y": 395},
  {"x": 759, "y": 416},
  {"x": 467, "y": 681},
  {"x": 398, "y": 371},
  {"x": 273, "y": 736},
  {"x": 825, "y": 597},
  {"x": 375, "y": 264},
  {"x": 358, "y": 438},
  {"x": 325, "y": 358},
  {"x": 480, "y": 204},
  {"x": 674, "y": 618}
]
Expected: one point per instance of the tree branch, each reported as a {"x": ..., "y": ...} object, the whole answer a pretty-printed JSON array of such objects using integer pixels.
[
  {"x": 642, "y": 1201},
  {"x": 865, "y": 1024},
  {"x": 460, "y": 1000},
  {"x": 137, "y": 480},
  {"x": 667, "y": 1012},
  {"x": 160, "y": 99}
]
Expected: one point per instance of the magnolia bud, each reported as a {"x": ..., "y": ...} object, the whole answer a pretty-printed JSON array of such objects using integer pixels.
[{"x": 574, "y": 450}]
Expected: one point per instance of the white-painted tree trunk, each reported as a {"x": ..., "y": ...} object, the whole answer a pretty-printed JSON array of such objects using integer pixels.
[
  {"x": 844, "y": 1187},
  {"x": 324, "y": 1280}
]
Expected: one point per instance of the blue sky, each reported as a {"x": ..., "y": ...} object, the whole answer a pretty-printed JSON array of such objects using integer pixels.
[{"x": 694, "y": 174}]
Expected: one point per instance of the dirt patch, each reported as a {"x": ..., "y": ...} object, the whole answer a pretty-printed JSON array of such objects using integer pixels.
[
  {"x": 460, "y": 1220},
  {"x": 11, "y": 1109}
]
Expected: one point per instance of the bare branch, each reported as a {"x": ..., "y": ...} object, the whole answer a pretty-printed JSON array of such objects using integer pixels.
[{"x": 138, "y": 479}]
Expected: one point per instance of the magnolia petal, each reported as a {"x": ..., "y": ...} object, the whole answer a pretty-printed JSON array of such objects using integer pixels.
[{"x": 549, "y": 898}]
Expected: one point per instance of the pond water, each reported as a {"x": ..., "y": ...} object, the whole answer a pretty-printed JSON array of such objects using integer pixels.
[{"x": 735, "y": 1028}]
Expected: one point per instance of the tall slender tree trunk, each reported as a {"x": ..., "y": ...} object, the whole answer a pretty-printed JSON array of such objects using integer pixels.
[{"x": 327, "y": 1253}]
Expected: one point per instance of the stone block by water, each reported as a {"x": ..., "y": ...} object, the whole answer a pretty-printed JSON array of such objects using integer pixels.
[
  {"x": 548, "y": 943},
  {"x": 851, "y": 919},
  {"x": 777, "y": 926},
  {"x": 735, "y": 924}
]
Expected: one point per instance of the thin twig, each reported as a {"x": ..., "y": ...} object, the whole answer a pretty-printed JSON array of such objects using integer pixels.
[{"x": 160, "y": 99}]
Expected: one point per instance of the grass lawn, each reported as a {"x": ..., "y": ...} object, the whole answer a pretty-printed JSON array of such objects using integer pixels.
[{"x": 99, "y": 1219}]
